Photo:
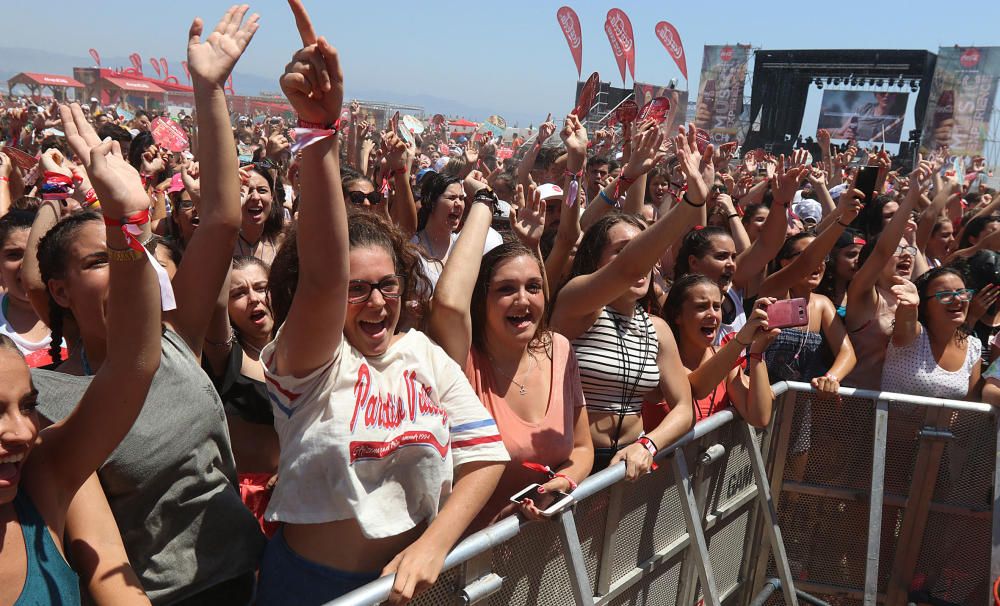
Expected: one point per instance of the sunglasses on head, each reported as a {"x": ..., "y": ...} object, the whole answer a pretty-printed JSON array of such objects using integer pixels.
[
  {"x": 259, "y": 164},
  {"x": 358, "y": 198}
]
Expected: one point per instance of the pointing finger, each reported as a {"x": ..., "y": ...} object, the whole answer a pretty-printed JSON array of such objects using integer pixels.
[{"x": 302, "y": 22}]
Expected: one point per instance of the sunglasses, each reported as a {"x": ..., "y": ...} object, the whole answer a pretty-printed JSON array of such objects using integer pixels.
[
  {"x": 947, "y": 297},
  {"x": 264, "y": 164},
  {"x": 391, "y": 287},
  {"x": 358, "y": 198},
  {"x": 910, "y": 250}
]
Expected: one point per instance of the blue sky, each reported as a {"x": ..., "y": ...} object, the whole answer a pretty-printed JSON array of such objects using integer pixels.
[{"x": 504, "y": 57}]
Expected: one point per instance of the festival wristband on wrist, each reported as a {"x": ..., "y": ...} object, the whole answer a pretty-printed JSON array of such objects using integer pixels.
[
  {"x": 649, "y": 444},
  {"x": 572, "y": 484},
  {"x": 130, "y": 227},
  {"x": 607, "y": 199},
  {"x": 690, "y": 203},
  {"x": 308, "y": 133}
]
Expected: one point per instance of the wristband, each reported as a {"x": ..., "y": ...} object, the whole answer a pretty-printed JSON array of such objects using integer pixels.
[
  {"x": 831, "y": 377},
  {"x": 623, "y": 184},
  {"x": 649, "y": 445},
  {"x": 310, "y": 132},
  {"x": 842, "y": 224},
  {"x": 690, "y": 203},
  {"x": 737, "y": 339},
  {"x": 605, "y": 197},
  {"x": 5, "y": 179},
  {"x": 126, "y": 254},
  {"x": 756, "y": 356},
  {"x": 130, "y": 229},
  {"x": 733, "y": 216},
  {"x": 572, "y": 484}
]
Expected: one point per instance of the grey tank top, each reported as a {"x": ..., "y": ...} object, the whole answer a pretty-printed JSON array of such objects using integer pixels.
[{"x": 171, "y": 483}]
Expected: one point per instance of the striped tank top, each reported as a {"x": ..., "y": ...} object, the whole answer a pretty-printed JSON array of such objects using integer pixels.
[{"x": 617, "y": 358}]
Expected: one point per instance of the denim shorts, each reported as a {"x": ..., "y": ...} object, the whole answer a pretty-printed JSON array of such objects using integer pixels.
[{"x": 288, "y": 578}]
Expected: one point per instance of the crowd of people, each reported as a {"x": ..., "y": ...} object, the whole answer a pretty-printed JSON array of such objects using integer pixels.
[{"x": 286, "y": 362}]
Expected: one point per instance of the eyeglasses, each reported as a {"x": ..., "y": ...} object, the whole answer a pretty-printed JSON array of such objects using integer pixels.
[
  {"x": 910, "y": 250},
  {"x": 947, "y": 297},
  {"x": 264, "y": 164},
  {"x": 358, "y": 197},
  {"x": 185, "y": 205},
  {"x": 391, "y": 287}
]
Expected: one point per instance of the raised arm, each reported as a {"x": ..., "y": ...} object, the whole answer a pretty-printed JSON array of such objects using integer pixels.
[
  {"x": 574, "y": 136},
  {"x": 545, "y": 130},
  {"x": 450, "y": 321},
  {"x": 751, "y": 394},
  {"x": 778, "y": 283},
  {"x": 905, "y": 326},
  {"x": 209, "y": 253},
  {"x": 584, "y": 295},
  {"x": 76, "y": 446},
  {"x": 402, "y": 208},
  {"x": 314, "y": 85},
  {"x": 948, "y": 190},
  {"x": 754, "y": 260},
  {"x": 7, "y": 169},
  {"x": 860, "y": 296},
  {"x": 31, "y": 275}
]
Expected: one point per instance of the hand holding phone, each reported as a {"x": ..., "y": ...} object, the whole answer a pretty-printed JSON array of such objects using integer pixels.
[
  {"x": 788, "y": 313},
  {"x": 549, "y": 502}
]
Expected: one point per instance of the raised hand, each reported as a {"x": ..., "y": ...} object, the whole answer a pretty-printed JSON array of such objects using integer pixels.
[
  {"x": 313, "y": 81},
  {"x": 692, "y": 164},
  {"x": 396, "y": 156},
  {"x": 191, "y": 177},
  {"x": 850, "y": 205},
  {"x": 546, "y": 129},
  {"x": 645, "y": 151},
  {"x": 756, "y": 330},
  {"x": 527, "y": 216},
  {"x": 117, "y": 184},
  {"x": 906, "y": 293},
  {"x": 786, "y": 181},
  {"x": 574, "y": 135},
  {"x": 210, "y": 62}
]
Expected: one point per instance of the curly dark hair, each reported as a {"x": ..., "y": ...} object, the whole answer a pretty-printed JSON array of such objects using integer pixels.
[
  {"x": 364, "y": 229},
  {"x": 491, "y": 261}
]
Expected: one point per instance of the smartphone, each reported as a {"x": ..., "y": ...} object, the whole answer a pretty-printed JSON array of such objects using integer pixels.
[
  {"x": 788, "y": 313},
  {"x": 549, "y": 503},
  {"x": 865, "y": 182}
]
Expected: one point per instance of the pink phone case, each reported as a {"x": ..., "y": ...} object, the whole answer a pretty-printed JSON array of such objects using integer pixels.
[{"x": 788, "y": 313}]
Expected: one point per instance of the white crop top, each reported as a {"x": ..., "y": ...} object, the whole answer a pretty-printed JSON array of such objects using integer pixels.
[{"x": 376, "y": 439}]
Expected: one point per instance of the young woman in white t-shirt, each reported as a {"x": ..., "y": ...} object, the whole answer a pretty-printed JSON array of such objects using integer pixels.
[
  {"x": 386, "y": 452},
  {"x": 930, "y": 353}
]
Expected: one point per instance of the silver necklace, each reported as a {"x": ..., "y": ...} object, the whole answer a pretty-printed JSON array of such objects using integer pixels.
[{"x": 521, "y": 389}]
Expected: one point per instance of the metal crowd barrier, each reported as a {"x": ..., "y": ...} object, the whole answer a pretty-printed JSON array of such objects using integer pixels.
[
  {"x": 704, "y": 529},
  {"x": 885, "y": 498}
]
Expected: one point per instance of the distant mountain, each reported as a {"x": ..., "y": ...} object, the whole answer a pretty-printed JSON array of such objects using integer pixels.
[{"x": 16, "y": 60}]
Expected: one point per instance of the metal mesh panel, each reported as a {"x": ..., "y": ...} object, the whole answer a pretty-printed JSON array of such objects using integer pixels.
[
  {"x": 658, "y": 588},
  {"x": 954, "y": 562},
  {"x": 725, "y": 548},
  {"x": 835, "y": 448},
  {"x": 443, "y": 593},
  {"x": 965, "y": 476},
  {"x": 534, "y": 568},
  {"x": 734, "y": 472},
  {"x": 591, "y": 517},
  {"x": 651, "y": 520}
]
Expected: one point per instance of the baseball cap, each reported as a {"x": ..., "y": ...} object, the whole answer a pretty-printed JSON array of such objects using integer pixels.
[
  {"x": 176, "y": 184},
  {"x": 549, "y": 190}
]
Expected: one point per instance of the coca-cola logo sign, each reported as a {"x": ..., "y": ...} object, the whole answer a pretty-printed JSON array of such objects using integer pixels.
[
  {"x": 568, "y": 27},
  {"x": 618, "y": 26},
  {"x": 667, "y": 38},
  {"x": 726, "y": 54},
  {"x": 969, "y": 58},
  {"x": 613, "y": 38}
]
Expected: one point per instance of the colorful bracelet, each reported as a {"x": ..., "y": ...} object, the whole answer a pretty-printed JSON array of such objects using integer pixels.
[{"x": 649, "y": 445}]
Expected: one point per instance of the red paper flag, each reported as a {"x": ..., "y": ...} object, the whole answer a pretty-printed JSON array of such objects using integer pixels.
[
  {"x": 96, "y": 56},
  {"x": 671, "y": 40},
  {"x": 570, "y": 25},
  {"x": 622, "y": 27},
  {"x": 616, "y": 48}
]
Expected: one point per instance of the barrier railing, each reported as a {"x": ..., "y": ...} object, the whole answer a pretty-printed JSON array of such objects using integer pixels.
[
  {"x": 676, "y": 536},
  {"x": 704, "y": 527},
  {"x": 885, "y": 498}
]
